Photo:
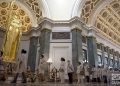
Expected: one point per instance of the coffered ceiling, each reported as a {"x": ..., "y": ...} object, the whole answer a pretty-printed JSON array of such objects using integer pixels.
[{"x": 107, "y": 21}]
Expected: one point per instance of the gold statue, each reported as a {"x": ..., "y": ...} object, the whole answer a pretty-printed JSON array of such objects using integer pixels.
[{"x": 12, "y": 37}]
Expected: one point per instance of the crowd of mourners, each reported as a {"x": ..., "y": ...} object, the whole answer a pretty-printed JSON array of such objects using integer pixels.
[{"x": 83, "y": 72}]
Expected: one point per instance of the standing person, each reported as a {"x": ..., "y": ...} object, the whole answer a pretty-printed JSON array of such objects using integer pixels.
[
  {"x": 80, "y": 72},
  {"x": 41, "y": 68},
  {"x": 98, "y": 74},
  {"x": 1, "y": 62},
  {"x": 2, "y": 74},
  {"x": 104, "y": 73},
  {"x": 70, "y": 71},
  {"x": 105, "y": 70},
  {"x": 21, "y": 67},
  {"x": 87, "y": 69},
  {"x": 94, "y": 76},
  {"x": 62, "y": 70},
  {"x": 109, "y": 74}
]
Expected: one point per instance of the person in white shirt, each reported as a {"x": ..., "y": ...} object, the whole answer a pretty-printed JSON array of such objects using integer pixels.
[
  {"x": 70, "y": 71},
  {"x": 87, "y": 69},
  {"x": 104, "y": 73},
  {"x": 98, "y": 74},
  {"x": 80, "y": 72},
  {"x": 41, "y": 68},
  {"x": 109, "y": 75},
  {"x": 62, "y": 70},
  {"x": 21, "y": 67},
  {"x": 94, "y": 74}
]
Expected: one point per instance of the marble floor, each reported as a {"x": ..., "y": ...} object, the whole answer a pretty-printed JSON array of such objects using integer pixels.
[{"x": 53, "y": 84}]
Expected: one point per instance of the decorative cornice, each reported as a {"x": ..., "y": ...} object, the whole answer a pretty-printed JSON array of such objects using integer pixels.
[
  {"x": 75, "y": 20},
  {"x": 116, "y": 46}
]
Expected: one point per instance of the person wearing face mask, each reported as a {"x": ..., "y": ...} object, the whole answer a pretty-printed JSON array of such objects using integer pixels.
[
  {"x": 21, "y": 67},
  {"x": 80, "y": 73},
  {"x": 62, "y": 70},
  {"x": 41, "y": 68}
]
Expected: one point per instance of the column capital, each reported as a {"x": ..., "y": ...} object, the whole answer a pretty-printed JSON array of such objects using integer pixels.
[
  {"x": 46, "y": 29},
  {"x": 35, "y": 33},
  {"x": 92, "y": 31},
  {"x": 91, "y": 37},
  {"x": 47, "y": 23},
  {"x": 76, "y": 28}
]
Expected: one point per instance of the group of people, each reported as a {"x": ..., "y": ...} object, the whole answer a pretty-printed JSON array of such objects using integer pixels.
[{"x": 83, "y": 72}]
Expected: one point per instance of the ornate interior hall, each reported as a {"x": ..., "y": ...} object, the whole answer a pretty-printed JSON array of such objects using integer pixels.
[{"x": 86, "y": 31}]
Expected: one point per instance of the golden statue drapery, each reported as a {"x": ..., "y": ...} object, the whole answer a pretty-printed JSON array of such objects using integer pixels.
[{"x": 12, "y": 37}]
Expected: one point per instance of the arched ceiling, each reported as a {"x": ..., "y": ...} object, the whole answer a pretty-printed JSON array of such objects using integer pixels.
[
  {"x": 31, "y": 5},
  {"x": 87, "y": 9},
  {"x": 107, "y": 21}
]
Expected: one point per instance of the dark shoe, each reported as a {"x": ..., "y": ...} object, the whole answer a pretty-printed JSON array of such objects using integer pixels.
[
  {"x": 23, "y": 81},
  {"x": 13, "y": 81}
]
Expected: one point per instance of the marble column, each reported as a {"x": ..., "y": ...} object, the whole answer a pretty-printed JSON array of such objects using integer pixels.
[
  {"x": 108, "y": 52},
  {"x": 114, "y": 59},
  {"x": 45, "y": 42},
  {"x": 92, "y": 51},
  {"x": 119, "y": 60},
  {"x": 32, "y": 52},
  {"x": 103, "y": 54},
  {"x": 45, "y": 46},
  {"x": 77, "y": 54}
]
